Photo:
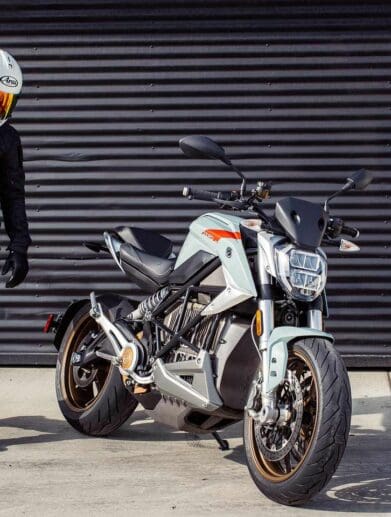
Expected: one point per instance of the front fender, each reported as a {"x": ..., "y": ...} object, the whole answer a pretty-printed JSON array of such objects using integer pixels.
[
  {"x": 116, "y": 305},
  {"x": 277, "y": 352}
]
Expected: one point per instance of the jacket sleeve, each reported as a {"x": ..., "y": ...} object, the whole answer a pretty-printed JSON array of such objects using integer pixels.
[{"x": 12, "y": 196}]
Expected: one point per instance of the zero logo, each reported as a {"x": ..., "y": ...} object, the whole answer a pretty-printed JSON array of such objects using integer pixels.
[{"x": 9, "y": 81}]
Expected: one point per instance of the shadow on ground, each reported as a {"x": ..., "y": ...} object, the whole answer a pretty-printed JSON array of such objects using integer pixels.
[
  {"x": 361, "y": 484},
  {"x": 51, "y": 431}
]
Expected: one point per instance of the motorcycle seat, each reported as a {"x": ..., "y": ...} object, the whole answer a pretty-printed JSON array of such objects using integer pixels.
[
  {"x": 146, "y": 241},
  {"x": 148, "y": 271}
]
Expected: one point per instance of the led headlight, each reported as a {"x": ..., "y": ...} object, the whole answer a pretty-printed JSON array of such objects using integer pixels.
[{"x": 302, "y": 274}]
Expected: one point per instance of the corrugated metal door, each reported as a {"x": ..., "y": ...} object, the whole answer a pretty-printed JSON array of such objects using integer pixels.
[{"x": 298, "y": 92}]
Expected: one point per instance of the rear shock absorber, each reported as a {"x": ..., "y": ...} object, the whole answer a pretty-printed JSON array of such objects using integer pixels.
[{"x": 149, "y": 304}]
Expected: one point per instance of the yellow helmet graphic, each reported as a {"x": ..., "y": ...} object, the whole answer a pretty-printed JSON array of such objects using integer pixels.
[{"x": 11, "y": 81}]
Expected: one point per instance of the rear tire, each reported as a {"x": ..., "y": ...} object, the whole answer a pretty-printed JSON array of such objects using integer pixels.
[
  {"x": 94, "y": 402},
  {"x": 322, "y": 438}
]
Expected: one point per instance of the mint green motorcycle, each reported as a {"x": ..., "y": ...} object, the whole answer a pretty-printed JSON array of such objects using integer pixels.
[{"x": 231, "y": 330}]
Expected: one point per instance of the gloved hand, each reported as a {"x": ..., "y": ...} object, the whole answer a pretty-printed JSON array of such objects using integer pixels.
[{"x": 17, "y": 263}]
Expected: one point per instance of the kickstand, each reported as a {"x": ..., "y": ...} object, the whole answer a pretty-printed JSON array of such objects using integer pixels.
[{"x": 223, "y": 444}]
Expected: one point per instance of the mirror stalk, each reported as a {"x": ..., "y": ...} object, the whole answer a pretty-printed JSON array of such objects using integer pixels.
[
  {"x": 240, "y": 173},
  {"x": 348, "y": 186},
  {"x": 359, "y": 180}
]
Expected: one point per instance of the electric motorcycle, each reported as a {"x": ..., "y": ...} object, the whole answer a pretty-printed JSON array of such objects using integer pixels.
[{"x": 231, "y": 330}]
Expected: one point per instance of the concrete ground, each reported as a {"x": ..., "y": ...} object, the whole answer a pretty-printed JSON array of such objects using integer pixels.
[{"x": 47, "y": 468}]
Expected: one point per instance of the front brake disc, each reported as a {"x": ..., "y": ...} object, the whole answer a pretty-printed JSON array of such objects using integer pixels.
[{"x": 276, "y": 441}]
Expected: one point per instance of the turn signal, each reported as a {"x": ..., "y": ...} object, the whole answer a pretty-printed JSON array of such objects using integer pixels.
[{"x": 258, "y": 323}]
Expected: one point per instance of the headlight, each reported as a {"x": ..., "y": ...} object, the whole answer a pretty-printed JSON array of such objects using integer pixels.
[{"x": 302, "y": 274}]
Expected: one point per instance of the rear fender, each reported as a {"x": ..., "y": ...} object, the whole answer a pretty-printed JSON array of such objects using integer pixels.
[
  {"x": 277, "y": 352},
  {"x": 116, "y": 305}
]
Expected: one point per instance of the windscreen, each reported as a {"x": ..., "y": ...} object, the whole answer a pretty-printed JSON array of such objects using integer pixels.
[{"x": 304, "y": 222}]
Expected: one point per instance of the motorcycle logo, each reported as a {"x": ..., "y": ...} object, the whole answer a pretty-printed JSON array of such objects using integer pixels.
[{"x": 9, "y": 81}]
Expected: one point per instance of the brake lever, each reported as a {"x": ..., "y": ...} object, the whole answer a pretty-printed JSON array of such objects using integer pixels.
[{"x": 331, "y": 242}]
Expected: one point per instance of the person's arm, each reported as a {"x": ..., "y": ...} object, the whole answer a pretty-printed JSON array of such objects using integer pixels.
[
  {"x": 12, "y": 200},
  {"x": 12, "y": 196}
]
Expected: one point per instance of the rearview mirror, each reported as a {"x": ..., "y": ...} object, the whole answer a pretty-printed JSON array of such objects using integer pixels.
[
  {"x": 360, "y": 180},
  {"x": 203, "y": 147},
  {"x": 196, "y": 146},
  {"x": 357, "y": 181}
]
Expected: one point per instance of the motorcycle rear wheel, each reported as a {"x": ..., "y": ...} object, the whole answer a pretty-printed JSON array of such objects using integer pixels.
[
  {"x": 93, "y": 400},
  {"x": 292, "y": 472}
]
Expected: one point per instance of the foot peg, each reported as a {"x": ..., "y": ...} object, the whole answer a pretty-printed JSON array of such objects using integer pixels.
[{"x": 223, "y": 444}]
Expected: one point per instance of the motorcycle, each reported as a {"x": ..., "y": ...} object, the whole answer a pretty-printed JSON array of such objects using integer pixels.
[{"x": 232, "y": 330}]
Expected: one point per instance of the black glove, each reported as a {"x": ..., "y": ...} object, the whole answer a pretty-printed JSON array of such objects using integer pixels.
[{"x": 17, "y": 263}]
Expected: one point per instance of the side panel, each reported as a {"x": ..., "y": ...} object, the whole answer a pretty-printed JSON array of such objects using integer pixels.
[
  {"x": 219, "y": 234},
  {"x": 236, "y": 361}
]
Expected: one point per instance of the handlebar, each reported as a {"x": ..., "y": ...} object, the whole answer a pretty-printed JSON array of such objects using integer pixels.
[
  {"x": 204, "y": 195},
  {"x": 350, "y": 231},
  {"x": 337, "y": 227}
]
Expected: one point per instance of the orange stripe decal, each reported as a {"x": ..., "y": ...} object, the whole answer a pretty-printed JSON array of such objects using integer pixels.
[{"x": 216, "y": 235}]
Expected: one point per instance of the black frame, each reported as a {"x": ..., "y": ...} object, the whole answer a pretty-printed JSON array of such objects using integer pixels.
[{"x": 186, "y": 290}]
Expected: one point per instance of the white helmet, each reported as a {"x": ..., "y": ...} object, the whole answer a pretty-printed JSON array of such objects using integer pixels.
[{"x": 11, "y": 81}]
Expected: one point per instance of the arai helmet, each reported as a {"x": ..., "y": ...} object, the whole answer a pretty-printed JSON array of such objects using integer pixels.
[{"x": 11, "y": 81}]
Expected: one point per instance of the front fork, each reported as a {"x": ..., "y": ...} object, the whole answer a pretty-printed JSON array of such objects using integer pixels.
[
  {"x": 315, "y": 319},
  {"x": 269, "y": 412},
  {"x": 272, "y": 346}
]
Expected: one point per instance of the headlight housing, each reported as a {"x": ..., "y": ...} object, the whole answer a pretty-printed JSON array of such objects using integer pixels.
[{"x": 302, "y": 274}]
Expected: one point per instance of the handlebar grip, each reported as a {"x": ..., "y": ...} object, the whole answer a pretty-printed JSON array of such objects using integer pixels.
[
  {"x": 202, "y": 195},
  {"x": 350, "y": 231}
]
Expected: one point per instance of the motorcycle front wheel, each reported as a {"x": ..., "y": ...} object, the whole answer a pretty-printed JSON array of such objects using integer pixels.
[{"x": 292, "y": 460}]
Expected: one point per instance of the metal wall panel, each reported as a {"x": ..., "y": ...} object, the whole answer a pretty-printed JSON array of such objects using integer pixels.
[{"x": 298, "y": 92}]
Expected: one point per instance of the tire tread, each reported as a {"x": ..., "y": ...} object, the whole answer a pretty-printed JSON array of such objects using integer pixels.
[
  {"x": 332, "y": 430},
  {"x": 109, "y": 412}
]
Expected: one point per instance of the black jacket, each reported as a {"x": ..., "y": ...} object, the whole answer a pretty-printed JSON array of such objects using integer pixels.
[{"x": 12, "y": 189}]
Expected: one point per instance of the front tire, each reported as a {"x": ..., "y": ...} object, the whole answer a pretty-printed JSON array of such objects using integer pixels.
[
  {"x": 291, "y": 473},
  {"x": 93, "y": 400}
]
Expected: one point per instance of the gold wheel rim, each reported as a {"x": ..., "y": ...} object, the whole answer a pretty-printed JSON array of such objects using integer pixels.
[
  {"x": 79, "y": 399},
  {"x": 272, "y": 470}
]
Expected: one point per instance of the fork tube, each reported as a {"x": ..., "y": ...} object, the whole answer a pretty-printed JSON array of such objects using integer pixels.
[
  {"x": 265, "y": 302},
  {"x": 267, "y": 309},
  {"x": 266, "y": 306},
  {"x": 315, "y": 319}
]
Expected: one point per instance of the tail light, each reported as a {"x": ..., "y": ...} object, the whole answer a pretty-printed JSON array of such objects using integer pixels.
[{"x": 51, "y": 324}]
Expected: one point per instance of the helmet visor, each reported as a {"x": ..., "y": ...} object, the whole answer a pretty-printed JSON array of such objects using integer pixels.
[{"x": 7, "y": 104}]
